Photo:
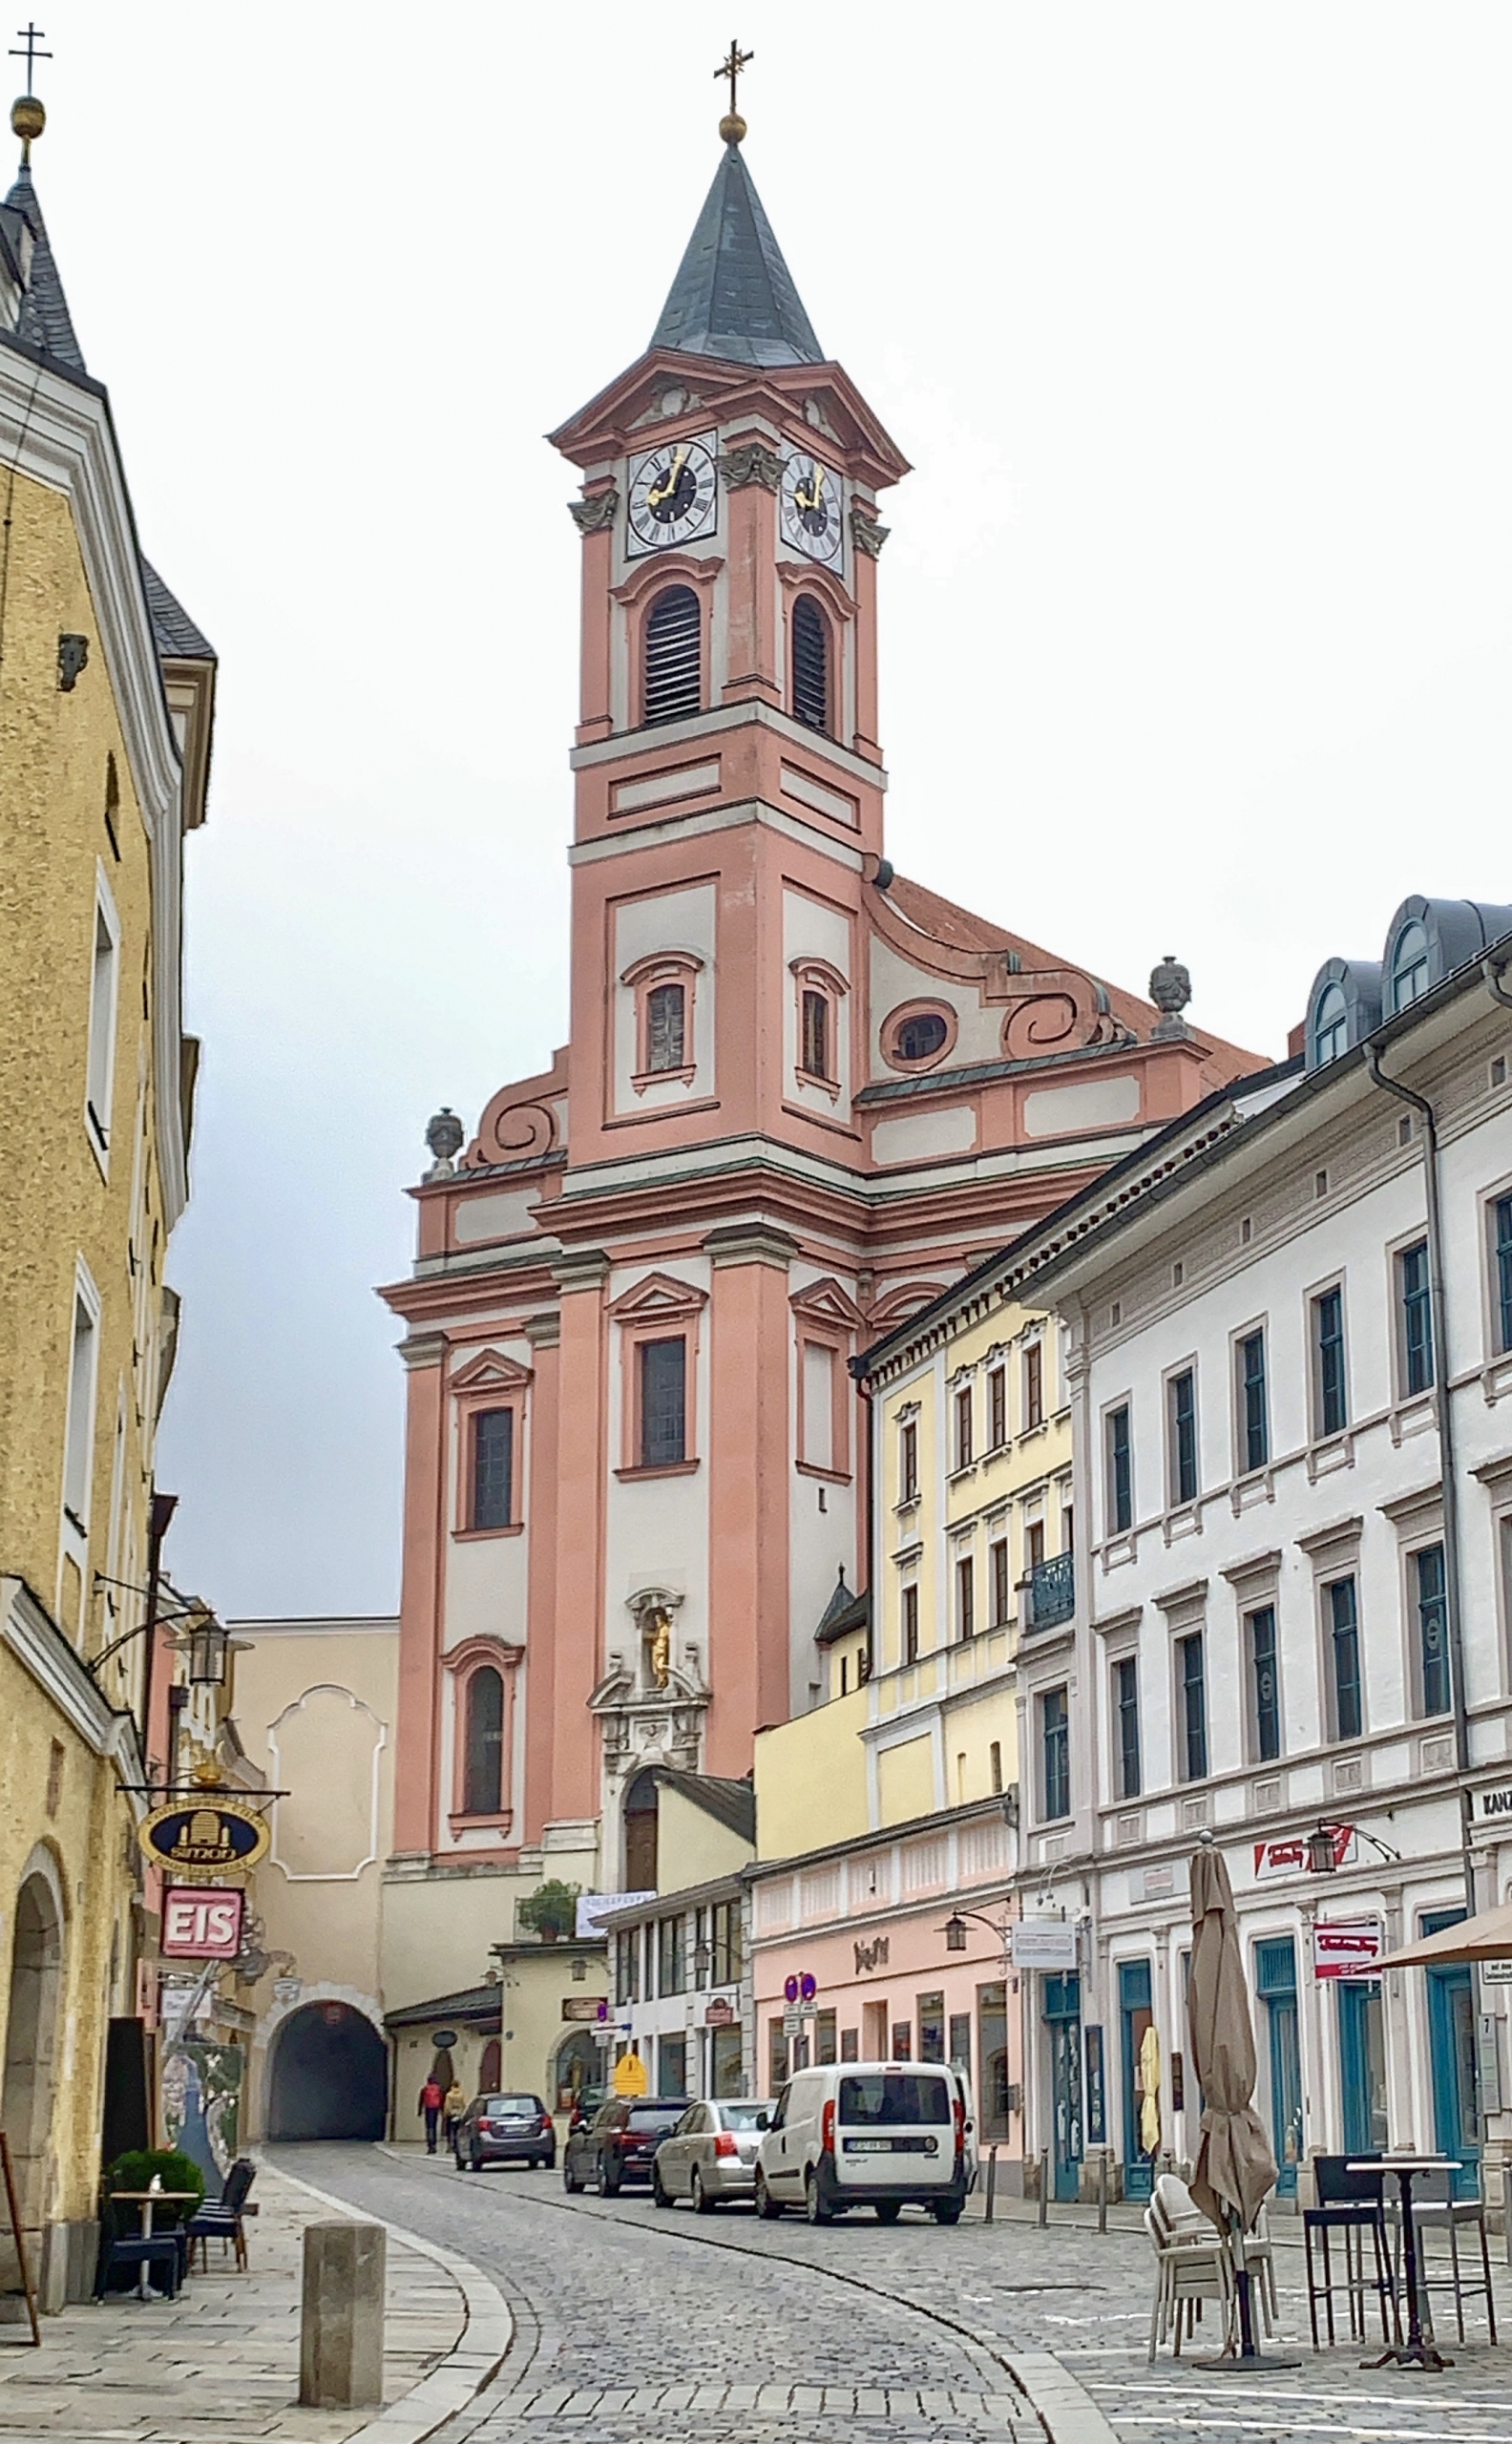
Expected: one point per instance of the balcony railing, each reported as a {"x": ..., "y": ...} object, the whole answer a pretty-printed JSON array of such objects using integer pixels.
[{"x": 1049, "y": 1593}]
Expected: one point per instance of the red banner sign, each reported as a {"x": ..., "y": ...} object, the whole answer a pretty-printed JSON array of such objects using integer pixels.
[
  {"x": 202, "y": 1921},
  {"x": 1291, "y": 1857},
  {"x": 1347, "y": 1946}
]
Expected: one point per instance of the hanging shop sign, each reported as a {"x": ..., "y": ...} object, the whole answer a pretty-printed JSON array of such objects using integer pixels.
[
  {"x": 1045, "y": 1943},
  {"x": 720, "y": 2013},
  {"x": 585, "y": 2007},
  {"x": 1276, "y": 1859},
  {"x": 202, "y": 1921},
  {"x": 208, "y": 1837},
  {"x": 1347, "y": 1946}
]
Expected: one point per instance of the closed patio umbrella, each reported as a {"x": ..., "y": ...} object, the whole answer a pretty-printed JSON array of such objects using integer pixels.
[
  {"x": 1150, "y": 2070},
  {"x": 1235, "y": 2171}
]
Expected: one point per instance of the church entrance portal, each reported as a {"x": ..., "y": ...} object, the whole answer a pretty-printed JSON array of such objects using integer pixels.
[{"x": 329, "y": 2076}]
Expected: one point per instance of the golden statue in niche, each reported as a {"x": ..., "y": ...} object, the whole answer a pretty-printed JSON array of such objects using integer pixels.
[{"x": 658, "y": 1627}]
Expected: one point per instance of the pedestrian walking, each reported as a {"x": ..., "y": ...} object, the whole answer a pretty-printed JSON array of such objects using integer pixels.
[
  {"x": 432, "y": 2100},
  {"x": 455, "y": 2108}
]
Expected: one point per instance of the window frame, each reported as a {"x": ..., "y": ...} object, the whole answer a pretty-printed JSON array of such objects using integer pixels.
[
  {"x": 1414, "y": 1352},
  {"x": 965, "y": 1577},
  {"x": 1420, "y": 968},
  {"x": 658, "y": 1307},
  {"x": 652, "y": 973},
  {"x": 1193, "y": 1731},
  {"x": 1053, "y": 1784},
  {"x": 997, "y": 1408},
  {"x": 490, "y": 1380},
  {"x": 1414, "y": 1557},
  {"x": 963, "y": 1426},
  {"x": 999, "y": 1573},
  {"x": 669, "y": 579},
  {"x": 1331, "y": 1627},
  {"x": 1337, "y": 1025},
  {"x": 1499, "y": 1267},
  {"x": 1124, "y": 1699},
  {"x": 909, "y": 1622},
  {"x": 807, "y": 600},
  {"x": 1118, "y": 1490},
  {"x": 1246, "y": 1464},
  {"x": 1317, "y": 1298},
  {"x": 908, "y": 1476},
  {"x": 1256, "y": 1710},
  {"x": 837, "y": 1470},
  {"x": 1183, "y": 1446},
  {"x": 478, "y": 1417},
  {"x": 104, "y": 1010},
  {"x": 650, "y": 1344},
  {"x": 914, "y": 1064},
  {"x": 1035, "y": 1411},
  {"x": 81, "y": 1414},
  {"x": 825, "y": 984},
  {"x": 462, "y": 1664}
]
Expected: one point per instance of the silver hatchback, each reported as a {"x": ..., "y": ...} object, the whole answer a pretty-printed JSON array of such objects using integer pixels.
[{"x": 710, "y": 2157}]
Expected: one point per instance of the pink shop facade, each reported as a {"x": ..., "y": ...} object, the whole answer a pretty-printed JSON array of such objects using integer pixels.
[{"x": 866, "y": 1922}]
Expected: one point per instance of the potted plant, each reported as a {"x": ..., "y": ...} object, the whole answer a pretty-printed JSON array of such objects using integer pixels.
[
  {"x": 550, "y": 1911},
  {"x": 174, "y": 2171}
]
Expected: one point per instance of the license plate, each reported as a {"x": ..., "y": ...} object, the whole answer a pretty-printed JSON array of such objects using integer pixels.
[
  {"x": 869, "y": 2146},
  {"x": 512, "y": 2125}
]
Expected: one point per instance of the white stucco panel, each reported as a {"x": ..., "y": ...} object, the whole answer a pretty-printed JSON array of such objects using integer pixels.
[
  {"x": 923, "y": 1135},
  {"x": 1099, "y": 1102},
  {"x": 895, "y": 980},
  {"x": 494, "y": 1217},
  {"x": 672, "y": 920}
]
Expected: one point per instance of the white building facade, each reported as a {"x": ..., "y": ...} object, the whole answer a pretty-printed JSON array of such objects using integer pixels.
[{"x": 1294, "y": 1529}]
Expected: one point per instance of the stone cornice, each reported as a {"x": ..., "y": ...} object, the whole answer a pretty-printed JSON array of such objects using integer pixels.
[{"x": 33, "y": 1637}]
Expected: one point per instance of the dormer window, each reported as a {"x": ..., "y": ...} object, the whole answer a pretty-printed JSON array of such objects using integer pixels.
[
  {"x": 674, "y": 640},
  {"x": 1409, "y": 966},
  {"x": 1329, "y": 1026},
  {"x": 810, "y": 663}
]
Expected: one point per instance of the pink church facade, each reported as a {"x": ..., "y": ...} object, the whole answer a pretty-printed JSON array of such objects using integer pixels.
[{"x": 800, "y": 1094}]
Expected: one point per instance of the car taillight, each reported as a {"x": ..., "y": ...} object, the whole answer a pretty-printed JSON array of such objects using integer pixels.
[
  {"x": 959, "y": 2111},
  {"x": 724, "y": 2144},
  {"x": 827, "y": 2135},
  {"x": 484, "y": 2123},
  {"x": 543, "y": 2122}
]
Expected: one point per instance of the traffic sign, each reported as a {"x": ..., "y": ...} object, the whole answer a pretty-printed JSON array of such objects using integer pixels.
[{"x": 630, "y": 2077}]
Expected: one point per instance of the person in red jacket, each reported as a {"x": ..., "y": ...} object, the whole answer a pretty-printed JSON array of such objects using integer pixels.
[{"x": 433, "y": 2096}]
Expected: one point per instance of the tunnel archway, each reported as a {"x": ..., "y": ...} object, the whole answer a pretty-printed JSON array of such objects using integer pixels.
[{"x": 329, "y": 2076}]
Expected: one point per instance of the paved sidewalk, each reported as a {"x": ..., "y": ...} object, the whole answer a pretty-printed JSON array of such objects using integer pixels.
[{"x": 221, "y": 2363}]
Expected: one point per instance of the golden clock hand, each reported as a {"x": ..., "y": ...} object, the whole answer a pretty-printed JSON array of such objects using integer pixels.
[
  {"x": 664, "y": 489},
  {"x": 818, "y": 483}
]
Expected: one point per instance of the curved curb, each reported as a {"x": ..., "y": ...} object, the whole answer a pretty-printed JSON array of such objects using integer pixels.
[
  {"x": 487, "y": 2333},
  {"x": 1064, "y": 2408}
]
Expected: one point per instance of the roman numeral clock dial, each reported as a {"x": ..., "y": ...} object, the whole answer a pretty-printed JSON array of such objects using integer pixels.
[
  {"x": 812, "y": 501},
  {"x": 674, "y": 496}
]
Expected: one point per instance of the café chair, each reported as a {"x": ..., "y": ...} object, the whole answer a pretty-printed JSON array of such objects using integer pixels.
[
  {"x": 123, "y": 2243},
  {"x": 1188, "y": 2271},
  {"x": 1350, "y": 2204},
  {"x": 1436, "y": 2209},
  {"x": 223, "y": 2220},
  {"x": 1185, "y": 2221}
]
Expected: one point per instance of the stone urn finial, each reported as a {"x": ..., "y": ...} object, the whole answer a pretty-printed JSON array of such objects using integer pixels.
[
  {"x": 444, "y": 1136},
  {"x": 1171, "y": 990}
]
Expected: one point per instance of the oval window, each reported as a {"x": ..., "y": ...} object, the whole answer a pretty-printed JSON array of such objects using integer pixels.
[{"x": 920, "y": 1037}]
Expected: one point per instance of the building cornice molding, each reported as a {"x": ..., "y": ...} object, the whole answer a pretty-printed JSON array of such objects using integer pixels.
[
  {"x": 627, "y": 743},
  {"x": 59, "y": 433},
  {"x": 33, "y": 1637}
]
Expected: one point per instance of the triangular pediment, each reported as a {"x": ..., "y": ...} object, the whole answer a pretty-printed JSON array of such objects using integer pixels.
[
  {"x": 617, "y": 419},
  {"x": 826, "y": 1302},
  {"x": 491, "y": 1371},
  {"x": 656, "y": 1296}
]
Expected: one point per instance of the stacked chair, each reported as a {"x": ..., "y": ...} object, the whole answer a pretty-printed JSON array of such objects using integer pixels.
[{"x": 1193, "y": 2265}]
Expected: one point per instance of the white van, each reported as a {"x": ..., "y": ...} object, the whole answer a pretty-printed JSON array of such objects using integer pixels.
[{"x": 884, "y": 2134}]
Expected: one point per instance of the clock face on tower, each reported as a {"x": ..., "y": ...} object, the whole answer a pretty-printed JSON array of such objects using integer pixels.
[
  {"x": 811, "y": 509},
  {"x": 674, "y": 496}
]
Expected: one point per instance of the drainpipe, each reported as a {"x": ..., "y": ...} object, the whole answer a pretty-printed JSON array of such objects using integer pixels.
[
  {"x": 868, "y": 1511},
  {"x": 1443, "y": 1411}
]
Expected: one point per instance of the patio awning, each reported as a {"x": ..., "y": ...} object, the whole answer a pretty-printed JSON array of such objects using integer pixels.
[{"x": 1486, "y": 1937}]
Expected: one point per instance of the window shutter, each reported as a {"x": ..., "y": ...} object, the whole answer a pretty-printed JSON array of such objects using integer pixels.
[{"x": 673, "y": 655}]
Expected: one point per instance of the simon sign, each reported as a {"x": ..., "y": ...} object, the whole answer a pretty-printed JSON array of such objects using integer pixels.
[{"x": 203, "y": 1837}]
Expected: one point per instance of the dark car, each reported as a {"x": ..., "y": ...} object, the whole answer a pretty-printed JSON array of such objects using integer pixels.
[
  {"x": 584, "y": 2105},
  {"x": 504, "y": 2130},
  {"x": 617, "y": 2149}
]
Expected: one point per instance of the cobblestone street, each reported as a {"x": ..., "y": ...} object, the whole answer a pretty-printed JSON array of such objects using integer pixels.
[{"x": 643, "y": 2327}]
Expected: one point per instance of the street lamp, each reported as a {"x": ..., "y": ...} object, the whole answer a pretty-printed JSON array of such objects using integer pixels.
[
  {"x": 954, "y": 1931},
  {"x": 208, "y": 1644}
]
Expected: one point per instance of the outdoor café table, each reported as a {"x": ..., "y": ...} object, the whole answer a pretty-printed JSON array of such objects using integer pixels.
[
  {"x": 147, "y": 2200},
  {"x": 1417, "y": 2351}
]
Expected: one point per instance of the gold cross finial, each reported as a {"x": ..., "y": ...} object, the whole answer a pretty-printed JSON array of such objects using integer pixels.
[
  {"x": 27, "y": 117},
  {"x": 732, "y": 127}
]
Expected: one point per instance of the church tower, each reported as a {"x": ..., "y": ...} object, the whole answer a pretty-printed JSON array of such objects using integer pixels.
[{"x": 798, "y": 1096}]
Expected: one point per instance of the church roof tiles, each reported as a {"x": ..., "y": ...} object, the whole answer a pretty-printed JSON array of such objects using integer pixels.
[
  {"x": 734, "y": 296},
  {"x": 45, "y": 322}
]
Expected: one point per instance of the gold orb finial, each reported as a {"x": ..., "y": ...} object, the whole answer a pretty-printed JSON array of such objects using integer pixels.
[
  {"x": 27, "y": 117},
  {"x": 732, "y": 127}
]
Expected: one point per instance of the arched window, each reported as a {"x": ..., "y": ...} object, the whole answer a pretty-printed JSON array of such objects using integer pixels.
[
  {"x": 810, "y": 663},
  {"x": 483, "y": 1774},
  {"x": 673, "y": 656},
  {"x": 815, "y": 1053},
  {"x": 1408, "y": 968},
  {"x": 1329, "y": 1025},
  {"x": 667, "y": 1027}
]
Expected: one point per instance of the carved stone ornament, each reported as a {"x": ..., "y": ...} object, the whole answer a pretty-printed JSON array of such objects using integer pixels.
[
  {"x": 444, "y": 1136},
  {"x": 1170, "y": 989},
  {"x": 751, "y": 462},
  {"x": 865, "y": 534},
  {"x": 73, "y": 658},
  {"x": 598, "y": 510},
  {"x": 650, "y": 1709}
]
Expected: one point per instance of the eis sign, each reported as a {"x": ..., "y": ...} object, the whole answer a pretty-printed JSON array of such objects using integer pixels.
[{"x": 202, "y": 1921}]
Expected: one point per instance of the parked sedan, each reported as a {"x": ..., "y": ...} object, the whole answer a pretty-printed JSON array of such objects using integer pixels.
[
  {"x": 504, "y": 2130},
  {"x": 710, "y": 2157},
  {"x": 616, "y": 2150}
]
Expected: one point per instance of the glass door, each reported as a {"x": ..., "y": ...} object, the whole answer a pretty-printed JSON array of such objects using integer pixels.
[
  {"x": 1136, "y": 2016},
  {"x": 1362, "y": 2066},
  {"x": 1275, "y": 1984},
  {"x": 1063, "y": 2017}
]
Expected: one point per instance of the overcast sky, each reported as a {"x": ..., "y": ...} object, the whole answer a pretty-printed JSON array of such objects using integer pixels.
[{"x": 1194, "y": 323}]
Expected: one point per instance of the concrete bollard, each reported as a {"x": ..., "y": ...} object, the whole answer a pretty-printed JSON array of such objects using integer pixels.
[
  {"x": 1043, "y": 2216},
  {"x": 342, "y": 2316}
]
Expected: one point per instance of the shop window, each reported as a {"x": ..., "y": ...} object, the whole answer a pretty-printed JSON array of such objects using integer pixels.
[{"x": 931, "y": 2010}]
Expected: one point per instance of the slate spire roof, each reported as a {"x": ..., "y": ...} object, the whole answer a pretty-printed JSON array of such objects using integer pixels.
[
  {"x": 733, "y": 296},
  {"x": 45, "y": 320}
]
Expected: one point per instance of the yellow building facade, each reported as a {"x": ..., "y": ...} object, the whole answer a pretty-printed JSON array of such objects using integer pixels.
[{"x": 100, "y": 775}]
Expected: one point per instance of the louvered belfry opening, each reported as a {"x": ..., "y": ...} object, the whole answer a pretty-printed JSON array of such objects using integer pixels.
[
  {"x": 811, "y": 661},
  {"x": 673, "y": 656}
]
